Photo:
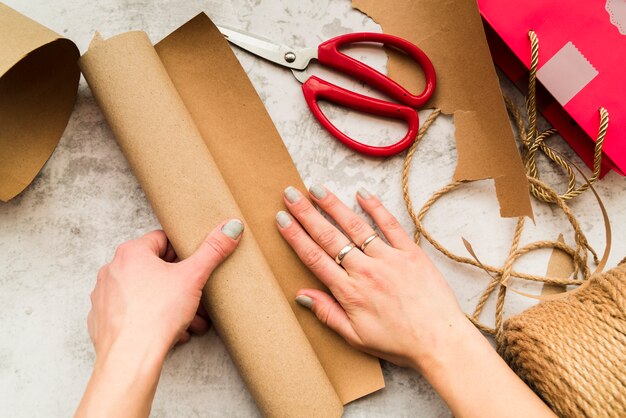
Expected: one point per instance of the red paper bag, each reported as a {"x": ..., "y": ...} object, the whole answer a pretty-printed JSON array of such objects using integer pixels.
[{"x": 582, "y": 65}]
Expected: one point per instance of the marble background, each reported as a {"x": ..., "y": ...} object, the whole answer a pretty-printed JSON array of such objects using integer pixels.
[{"x": 56, "y": 234}]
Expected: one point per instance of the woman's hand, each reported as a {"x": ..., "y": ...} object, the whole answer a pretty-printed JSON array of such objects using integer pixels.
[
  {"x": 143, "y": 303},
  {"x": 389, "y": 299},
  {"x": 392, "y": 302},
  {"x": 143, "y": 291}
]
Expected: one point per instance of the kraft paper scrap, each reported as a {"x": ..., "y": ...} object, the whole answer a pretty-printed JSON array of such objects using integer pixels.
[
  {"x": 38, "y": 84},
  {"x": 204, "y": 149},
  {"x": 452, "y": 35}
]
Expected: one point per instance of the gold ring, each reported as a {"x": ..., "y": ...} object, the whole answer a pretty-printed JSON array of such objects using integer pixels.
[
  {"x": 368, "y": 240},
  {"x": 344, "y": 251}
]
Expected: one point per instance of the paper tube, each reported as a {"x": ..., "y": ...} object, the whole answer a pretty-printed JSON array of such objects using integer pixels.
[
  {"x": 38, "y": 84},
  {"x": 189, "y": 195}
]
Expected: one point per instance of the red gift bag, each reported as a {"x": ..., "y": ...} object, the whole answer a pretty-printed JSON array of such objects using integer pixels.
[{"x": 582, "y": 66}]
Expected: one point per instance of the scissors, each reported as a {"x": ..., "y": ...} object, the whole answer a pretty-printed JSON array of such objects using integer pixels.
[{"x": 328, "y": 54}]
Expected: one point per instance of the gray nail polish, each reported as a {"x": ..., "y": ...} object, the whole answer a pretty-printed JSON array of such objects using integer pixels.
[
  {"x": 283, "y": 219},
  {"x": 233, "y": 228},
  {"x": 292, "y": 194},
  {"x": 318, "y": 191},
  {"x": 364, "y": 193},
  {"x": 305, "y": 301}
]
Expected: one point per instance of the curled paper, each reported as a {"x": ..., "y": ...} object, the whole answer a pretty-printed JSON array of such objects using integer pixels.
[
  {"x": 203, "y": 149},
  {"x": 38, "y": 84}
]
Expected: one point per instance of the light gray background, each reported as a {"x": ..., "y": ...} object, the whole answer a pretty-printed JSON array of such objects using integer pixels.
[{"x": 56, "y": 234}]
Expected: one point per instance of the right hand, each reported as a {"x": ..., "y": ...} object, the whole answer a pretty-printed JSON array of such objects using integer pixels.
[
  {"x": 389, "y": 300},
  {"x": 145, "y": 295}
]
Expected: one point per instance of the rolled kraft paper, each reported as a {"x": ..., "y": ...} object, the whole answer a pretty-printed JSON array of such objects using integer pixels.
[
  {"x": 256, "y": 166},
  {"x": 189, "y": 196},
  {"x": 38, "y": 84}
]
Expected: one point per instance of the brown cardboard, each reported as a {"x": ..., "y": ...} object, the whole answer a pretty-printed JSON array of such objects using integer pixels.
[
  {"x": 451, "y": 34},
  {"x": 165, "y": 110},
  {"x": 257, "y": 167},
  {"x": 38, "y": 84}
]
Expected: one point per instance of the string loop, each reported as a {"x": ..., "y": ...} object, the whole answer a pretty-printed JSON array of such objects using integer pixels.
[{"x": 532, "y": 141}]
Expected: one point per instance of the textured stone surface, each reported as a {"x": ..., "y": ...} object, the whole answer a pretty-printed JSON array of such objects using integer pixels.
[{"x": 56, "y": 234}]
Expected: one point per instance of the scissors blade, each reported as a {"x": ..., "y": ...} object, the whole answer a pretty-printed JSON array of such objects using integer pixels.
[{"x": 269, "y": 50}]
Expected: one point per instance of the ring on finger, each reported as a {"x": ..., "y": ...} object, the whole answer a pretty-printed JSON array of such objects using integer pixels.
[
  {"x": 368, "y": 240},
  {"x": 343, "y": 252}
]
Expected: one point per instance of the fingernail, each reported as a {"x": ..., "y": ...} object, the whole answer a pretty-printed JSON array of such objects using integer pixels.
[
  {"x": 318, "y": 191},
  {"x": 233, "y": 228},
  {"x": 292, "y": 194},
  {"x": 283, "y": 219},
  {"x": 364, "y": 193},
  {"x": 305, "y": 301}
]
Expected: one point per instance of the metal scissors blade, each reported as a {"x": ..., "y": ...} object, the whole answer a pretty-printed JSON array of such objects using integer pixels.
[{"x": 269, "y": 50}]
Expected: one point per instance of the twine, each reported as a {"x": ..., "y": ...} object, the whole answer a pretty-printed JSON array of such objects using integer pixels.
[
  {"x": 533, "y": 140},
  {"x": 572, "y": 351},
  {"x": 561, "y": 346}
]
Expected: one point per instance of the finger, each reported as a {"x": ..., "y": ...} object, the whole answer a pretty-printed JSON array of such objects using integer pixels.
[
  {"x": 215, "y": 248},
  {"x": 155, "y": 241},
  {"x": 329, "y": 312},
  {"x": 184, "y": 338},
  {"x": 387, "y": 223},
  {"x": 170, "y": 255},
  {"x": 355, "y": 226},
  {"x": 318, "y": 261},
  {"x": 198, "y": 325},
  {"x": 203, "y": 313},
  {"x": 323, "y": 232}
]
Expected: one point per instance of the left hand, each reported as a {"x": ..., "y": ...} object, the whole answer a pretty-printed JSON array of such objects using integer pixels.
[{"x": 388, "y": 300}]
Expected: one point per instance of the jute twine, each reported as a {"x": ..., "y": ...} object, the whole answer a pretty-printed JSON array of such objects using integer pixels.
[{"x": 570, "y": 350}]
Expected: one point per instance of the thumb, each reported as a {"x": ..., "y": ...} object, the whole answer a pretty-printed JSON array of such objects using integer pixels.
[
  {"x": 330, "y": 313},
  {"x": 215, "y": 248}
]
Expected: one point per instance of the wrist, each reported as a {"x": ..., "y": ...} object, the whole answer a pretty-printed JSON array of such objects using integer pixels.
[
  {"x": 447, "y": 348},
  {"x": 124, "y": 379},
  {"x": 474, "y": 380},
  {"x": 134, "y": 353}
]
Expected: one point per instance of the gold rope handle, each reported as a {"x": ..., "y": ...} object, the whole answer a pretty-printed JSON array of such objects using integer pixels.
[{"x": 532, "y": 141}]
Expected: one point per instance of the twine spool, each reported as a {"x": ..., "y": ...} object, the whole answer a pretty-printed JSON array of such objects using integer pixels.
[{"x": 572, "y": 351}]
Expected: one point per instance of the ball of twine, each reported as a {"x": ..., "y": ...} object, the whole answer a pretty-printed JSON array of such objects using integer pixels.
[{"x": 572, "y": 351}]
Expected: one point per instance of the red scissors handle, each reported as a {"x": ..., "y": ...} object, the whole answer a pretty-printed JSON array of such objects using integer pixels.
[
  {"x": 329, "y": 55},
  {"x": 315, "y": 89}
]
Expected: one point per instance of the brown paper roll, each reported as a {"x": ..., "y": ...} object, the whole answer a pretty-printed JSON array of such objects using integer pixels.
[
  {"x": 38, "y": 84},
  {"x": 257, "y": 167},
  {"x": 189, "y": 195}
]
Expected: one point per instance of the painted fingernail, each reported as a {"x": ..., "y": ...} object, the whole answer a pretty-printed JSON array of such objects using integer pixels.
[
  {"x": 233, "y": 228},
  {"x": 364, "y": 193},
  {"x": 318, "y": 191},
  {"x": 283, "y": 219},
  {"x": 292, "y": 194},
  {"x": 305, "y": 301}
]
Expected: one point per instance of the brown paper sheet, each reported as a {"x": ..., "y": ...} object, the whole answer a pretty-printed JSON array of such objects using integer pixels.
[
  {"x": 451, "y": 34},
  {"x": 38, "y": 84},
  {"x": 204, "y": 149},
  {"x": 559, "y": 265}
]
